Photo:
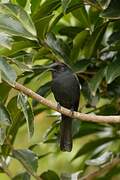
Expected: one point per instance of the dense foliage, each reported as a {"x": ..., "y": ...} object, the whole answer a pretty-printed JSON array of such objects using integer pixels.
[{"x": 84, "y": 34}]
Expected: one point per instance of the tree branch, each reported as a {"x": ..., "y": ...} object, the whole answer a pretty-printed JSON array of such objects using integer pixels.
[
  {"x": 65, "y": 111},
  {"x": 101, "y": 170}
]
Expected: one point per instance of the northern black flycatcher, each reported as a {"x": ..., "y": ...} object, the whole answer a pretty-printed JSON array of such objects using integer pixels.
[{"x": 66, "y": 90}]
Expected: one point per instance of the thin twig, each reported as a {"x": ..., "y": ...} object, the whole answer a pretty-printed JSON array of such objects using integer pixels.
[
  {"x": 101, "y": 170},
  {"x": 67, "y": 112}
]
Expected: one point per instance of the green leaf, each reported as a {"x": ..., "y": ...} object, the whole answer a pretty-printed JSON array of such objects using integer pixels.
[
  {"x": 58, "y": 46},
  {"x": 82, "y": 16},
  {"x": 96, "y": 80},
  {"x": 65, "y": 4},
  {"x": 81, "y": 129},
  {"x": 94, "y": 41},
  {"x": 18, "y": 120},
  {"x": 23, "y": 103},
  {"x": 17, "y": 47},
  {"x": 35, "y": 4},
  {"x": 8, "y": 74},
  {"x": 4, "y": 116},
  {"x": 46, "y": 9},
  {"x": 22, "y": 176},
  {"x": 42, "y": 26},
  {"x": 113, "y": 70},
  {"x": 23, "y": 26},
  {"x": 44, "y": 91},
  {"x": 4, "y": 91},
  {"x": 49, "y": 175},
  {"x": 27, "y": 158},
  {"x": 21, "y": 3},
  {"x": 104, "y": 158},
  {"x": 78, "y": 44},
  {"x": 81, "y": 66},
  {"x": 5, "y": 40},
  {"x": 113, "y": 10},
  {"x": 92, "y": 145}
]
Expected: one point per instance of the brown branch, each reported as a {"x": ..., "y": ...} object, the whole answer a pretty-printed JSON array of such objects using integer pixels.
[
  {"x": 67, "y": 112},
  {"x": 101, "y": 170}
]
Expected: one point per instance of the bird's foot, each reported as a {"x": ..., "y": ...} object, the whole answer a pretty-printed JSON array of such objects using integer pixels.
[
  {"x": 72, "y": 111},
  {"x": 58, "y": 106}
]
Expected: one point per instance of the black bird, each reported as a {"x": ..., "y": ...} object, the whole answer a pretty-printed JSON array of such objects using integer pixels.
[{"x": 66, "y": 90}]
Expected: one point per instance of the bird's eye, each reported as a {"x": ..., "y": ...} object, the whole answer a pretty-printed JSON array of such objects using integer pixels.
[{"x": 62, "y": 68}]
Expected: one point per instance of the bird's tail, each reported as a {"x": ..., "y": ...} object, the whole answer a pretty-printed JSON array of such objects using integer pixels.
[{"x": 66, "y": 134}]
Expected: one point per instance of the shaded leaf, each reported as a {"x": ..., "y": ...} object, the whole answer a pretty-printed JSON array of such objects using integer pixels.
[
  {"x": 82, "y": 15},
  {"x": 35, "y": 4},
  {"x": 94, "y": 41},
  {"x": 48, "y": 175},
  {"x": 23, "y": 103},
  {"x": 5, "y": 40},
  {"x": 81, "y": 65},
  {"x": 90, "y": 146},
  {"x": 22, "y": 176},
  {"x": 8, "y": 74},
  {"x": 113, "y": 10},
  {"x": 73, "y": 176},
  {"x": 22, "y": 3},
  {"x": 96, "y": 80},
  {"x": 12, "y": 14},
  {"x": 44, "y": 91},
  {"x": 113, "y": 70},
  {"x": 46, "y": 9},
  {"x": 17, "y": 47},
  {"x": 65, "y": 4},
  {"x": 4, "y": 91},
  {"x": 42, "y": 26},
  {"x": 104, "y": 158},
  {"x": 5, "y": 118},
  {"x": 27, "y": 158},
  {"x": 78, "y": 44},
  {"x": 58, "y": 46}
]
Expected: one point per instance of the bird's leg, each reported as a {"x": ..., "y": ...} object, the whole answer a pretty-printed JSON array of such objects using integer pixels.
[
  {"x": 58, "y": 106},
  {"x": 72, "y": 111}
]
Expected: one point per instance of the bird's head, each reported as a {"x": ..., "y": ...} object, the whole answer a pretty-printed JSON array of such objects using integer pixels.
[{"x": 58, "y": 67}]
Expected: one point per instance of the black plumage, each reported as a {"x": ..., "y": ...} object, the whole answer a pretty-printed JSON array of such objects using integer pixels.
[{"x": 66, "y": 90}]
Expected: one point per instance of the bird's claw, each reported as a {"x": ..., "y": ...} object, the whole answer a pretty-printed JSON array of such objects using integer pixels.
[{"x": 58, "y": 106}]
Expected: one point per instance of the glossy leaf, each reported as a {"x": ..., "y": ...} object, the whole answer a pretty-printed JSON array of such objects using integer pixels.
[
  {"x": 5, "y": 118},
  {"x": 104, "y": 158},
  {"x": 96, "y": 80},
  {"x": 17, "y": 47},
  {"x": 22, "y": 176},
  {"x": 23, "y": 26},
  {"x": 23, "y": 103},
  {"x": 22, "y": 3},
  {"x": 82, "y": 16},
  {"x": 58, "y": 46},
  {"x": 112, "y": 12},
  {"x": 8, "y": 73},
  {"x": 43, "y": 91},
  {"x": 27, "y": 158},
  {"x": 35, "y": 4},
  {"x": 78, "y": 44},
  {"x": 49, "y": 175},
  {"x": 65, "y": 4},
  {"x": 46, "y": 9},
  {"x": 90, "y": 146},
  {"x": 94, "y": 41},
  {"x": 4, "y": 91},
  {"x": 81, "y": 65},
  {"x": 113, "y": 70},
  {"x": 42, "y": 26},
  {"x": 5, "y": 40}
]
